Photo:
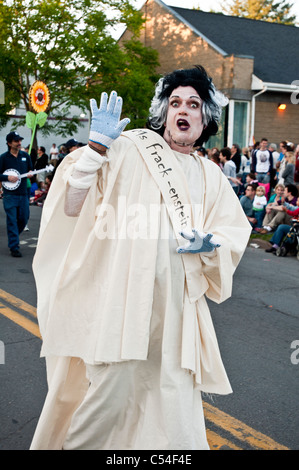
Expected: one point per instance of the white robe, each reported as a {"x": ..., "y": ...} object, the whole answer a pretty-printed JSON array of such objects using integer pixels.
[{"x": 169, "y": 348}]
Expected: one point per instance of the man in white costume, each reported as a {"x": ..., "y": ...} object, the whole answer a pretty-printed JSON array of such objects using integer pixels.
[{"x": 139, "y": 230}]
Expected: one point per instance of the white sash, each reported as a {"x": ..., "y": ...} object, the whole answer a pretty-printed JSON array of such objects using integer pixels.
[{"x": 172, "y": 183}]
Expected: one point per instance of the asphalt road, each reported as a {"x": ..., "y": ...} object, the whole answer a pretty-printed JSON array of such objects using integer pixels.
[{"x": 256, "y": 329}]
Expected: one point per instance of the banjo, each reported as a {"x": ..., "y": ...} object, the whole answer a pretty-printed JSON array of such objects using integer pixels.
[{"x": 11, "y": 186}]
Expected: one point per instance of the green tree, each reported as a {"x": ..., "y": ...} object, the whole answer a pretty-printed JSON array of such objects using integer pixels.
[
  {"x": 266, "y": 10},
  {"x": 69, "y": 45}
]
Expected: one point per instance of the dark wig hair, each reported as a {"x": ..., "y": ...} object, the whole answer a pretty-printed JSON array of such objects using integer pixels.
[{"x": 212, "y": 99}]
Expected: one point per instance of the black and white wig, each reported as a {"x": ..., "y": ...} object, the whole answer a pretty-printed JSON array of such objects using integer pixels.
[{"x": 212, "y": 100}]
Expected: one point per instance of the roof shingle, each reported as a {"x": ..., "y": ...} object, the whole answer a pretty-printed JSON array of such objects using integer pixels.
[{"x": 275, "y": 47}]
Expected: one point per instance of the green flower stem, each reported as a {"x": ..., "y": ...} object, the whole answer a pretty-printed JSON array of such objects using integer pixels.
[{"x": 33, "y": 134}]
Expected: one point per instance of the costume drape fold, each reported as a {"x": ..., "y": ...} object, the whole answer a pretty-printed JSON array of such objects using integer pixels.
[
  {"x": 105, "y": 276},
  {"x": 115, "y": 269}
]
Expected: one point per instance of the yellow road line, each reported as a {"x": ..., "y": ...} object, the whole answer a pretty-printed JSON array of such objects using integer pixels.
[
  {"x": 20, "y": 320},
  {"x": 17, "y": 303},
  {"x": 217, "y": 442},
  {"x": 241, "y": 431},
  {"x": 222, "y": 420}
]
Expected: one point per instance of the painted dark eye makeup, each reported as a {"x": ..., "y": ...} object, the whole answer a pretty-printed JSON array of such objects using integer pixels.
[
  {"x": 174, "y": 102},
  {"x": 193, "y": 103}
]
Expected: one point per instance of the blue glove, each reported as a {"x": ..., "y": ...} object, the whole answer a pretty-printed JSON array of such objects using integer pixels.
[
  {"x": 105, "y": 126},
  {"x": 197, "y": 243}
]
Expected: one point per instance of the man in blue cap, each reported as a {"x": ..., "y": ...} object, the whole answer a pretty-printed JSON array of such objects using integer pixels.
[{"x": 13, "y": 163}]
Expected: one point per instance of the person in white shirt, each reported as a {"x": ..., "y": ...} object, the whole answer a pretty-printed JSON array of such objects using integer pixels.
[
  {"x": 54, "y": 155},
  {"x": 262, "y": 162}
]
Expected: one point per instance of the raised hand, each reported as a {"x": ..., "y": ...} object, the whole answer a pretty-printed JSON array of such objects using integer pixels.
[
  {"x": 105, "y": 124},
  {"x": 197, "y": 243}
]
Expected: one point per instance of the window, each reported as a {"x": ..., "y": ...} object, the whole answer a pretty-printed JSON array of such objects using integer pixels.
[
  {"x": 240, "y": 126},
  {"x": 233, "y": 127},
  {"x": 219, "y": 140}
]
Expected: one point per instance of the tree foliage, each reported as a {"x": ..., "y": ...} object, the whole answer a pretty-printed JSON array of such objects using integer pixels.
[
  {"x": 69, "y": 45},
  {"x": 266, "y": 10}
]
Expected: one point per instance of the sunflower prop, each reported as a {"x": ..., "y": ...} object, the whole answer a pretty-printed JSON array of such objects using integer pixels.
[
  {"x": 39, "y": 100},
  {"x": 39, "y": 97}
]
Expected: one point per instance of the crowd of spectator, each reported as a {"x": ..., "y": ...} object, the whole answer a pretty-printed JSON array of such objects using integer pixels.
[{"x": 265, "y": 177}]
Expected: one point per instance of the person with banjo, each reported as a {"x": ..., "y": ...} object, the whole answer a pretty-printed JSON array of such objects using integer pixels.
[{"x": 13, "y": 164}]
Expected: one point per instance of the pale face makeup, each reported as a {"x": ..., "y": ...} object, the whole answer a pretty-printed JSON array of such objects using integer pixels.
[{"x": 183, "y": 124}]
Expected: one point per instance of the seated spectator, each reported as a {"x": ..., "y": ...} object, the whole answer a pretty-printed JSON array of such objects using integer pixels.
[
  {"x": 41, "y": 193},
  {"x": 275, "y": 199},
  {"x": 267, "y": 188},
  {"x": 250, "y": 178},
  {"x": 258, "y": 205},
  {"x": 33, "y": 188},
  {"x": 241, "y": 188},
  {"x": 276, "y": 216},
  {"x": 247, "y": 203},
  {"x": 283, "y": 229},
  {"x": 229, "y": 167},
  {"x": 37, "y": 192},
  {"x": 277, "y": 196}
]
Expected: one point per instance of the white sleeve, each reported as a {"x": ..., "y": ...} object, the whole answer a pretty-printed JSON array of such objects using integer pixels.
[{"x": 86, "y": 168}]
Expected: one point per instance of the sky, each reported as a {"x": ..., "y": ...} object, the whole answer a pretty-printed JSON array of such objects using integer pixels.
[{"x": 207, "y": 5}]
